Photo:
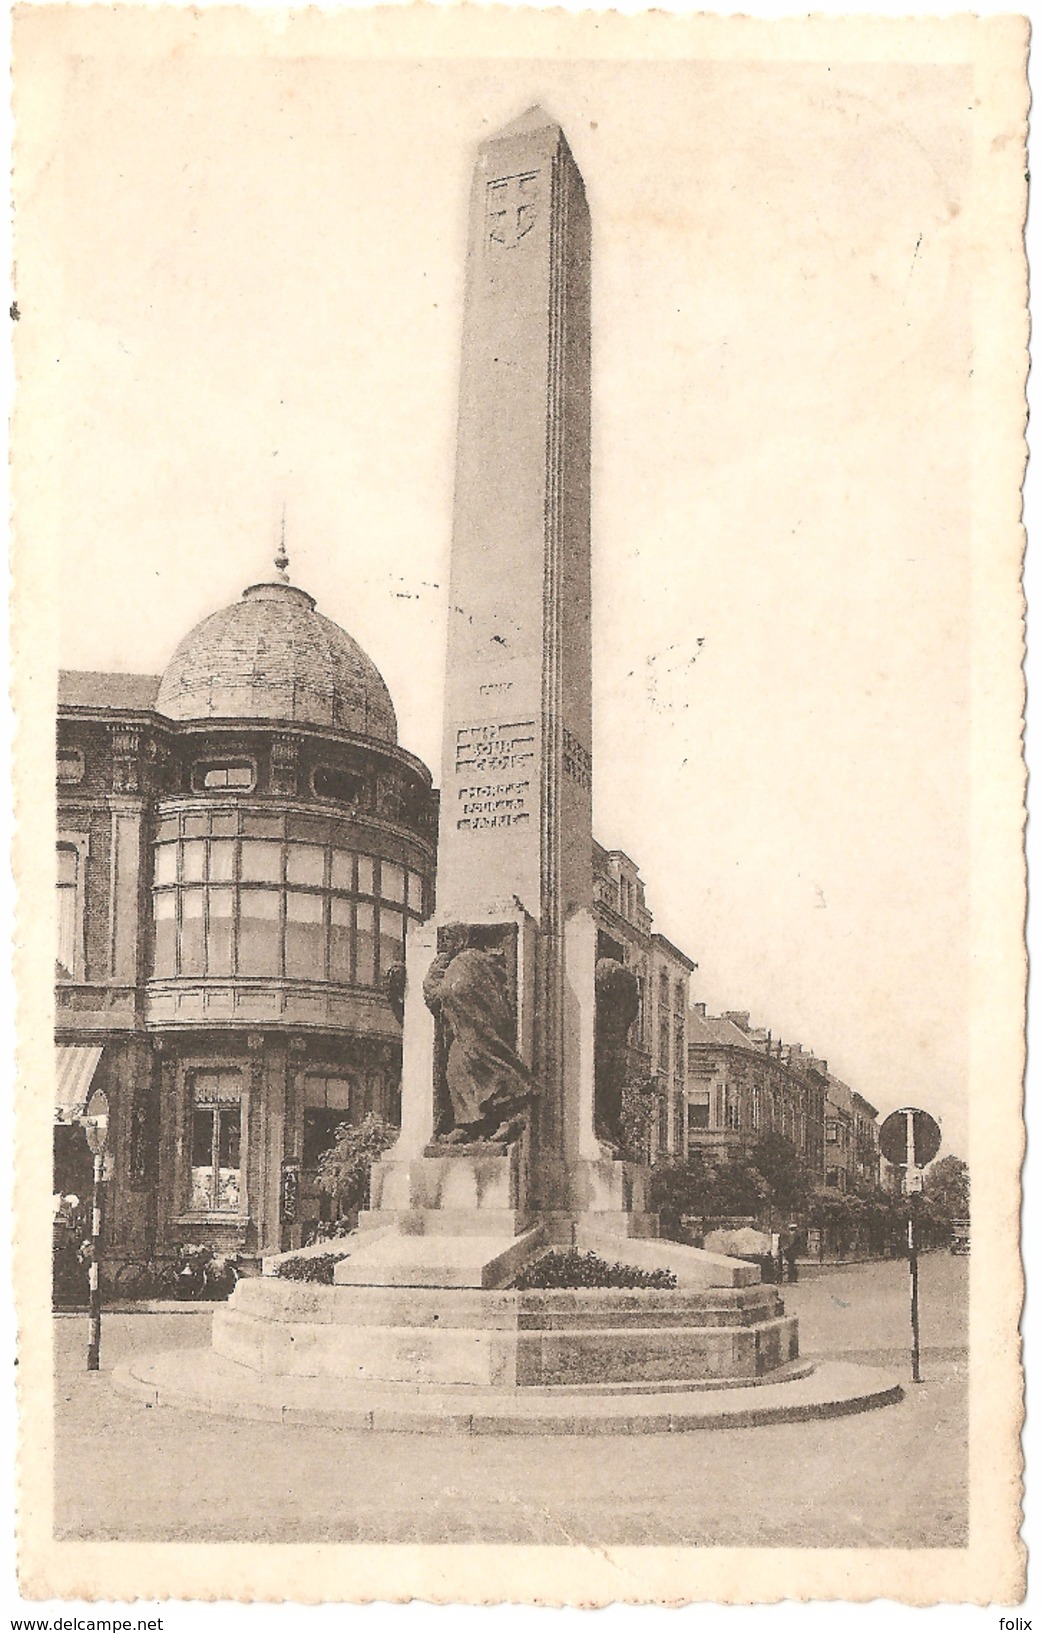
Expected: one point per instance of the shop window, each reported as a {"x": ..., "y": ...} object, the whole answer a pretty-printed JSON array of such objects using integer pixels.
[
  {"x": 216, "y": 1126},
  {"x": 69, "y": 916},
  {"x": 329, "y": 783},
  {"x": 320, "y": 1128},
  {"x": 238, "y": 774},
  {"x": 366, "y": 876},
  {"x": 328, "y": 1102},
  {"x": 70, "y": 765},
  {"x": 415, "y": 893}
]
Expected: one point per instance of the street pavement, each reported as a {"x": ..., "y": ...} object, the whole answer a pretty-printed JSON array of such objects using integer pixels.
[{"x": 895, "y": 1477}]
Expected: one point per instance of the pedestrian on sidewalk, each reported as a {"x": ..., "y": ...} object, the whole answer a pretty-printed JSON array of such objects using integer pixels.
[{"x": 789, "y": 1252}]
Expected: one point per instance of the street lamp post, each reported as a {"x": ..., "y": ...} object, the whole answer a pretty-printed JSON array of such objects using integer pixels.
[{"x": 96, "y": 1127}]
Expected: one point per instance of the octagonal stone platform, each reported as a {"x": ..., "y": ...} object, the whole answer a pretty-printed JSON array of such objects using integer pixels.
[{"x": 467, "y": 1338}]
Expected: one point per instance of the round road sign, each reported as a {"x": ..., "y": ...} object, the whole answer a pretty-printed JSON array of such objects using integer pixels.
[{"x": 893, "y": 1138}]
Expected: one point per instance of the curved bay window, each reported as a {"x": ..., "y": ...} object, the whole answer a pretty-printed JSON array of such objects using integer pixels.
[
  {"x": 259, "y": 906},
  {"x": 215, "y": 1110}
]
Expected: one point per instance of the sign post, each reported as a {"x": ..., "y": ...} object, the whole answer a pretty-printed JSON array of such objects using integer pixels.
[
  {"x": 96, "y": 1126},
  {"x": 913, "y": 1257},
  {"x": 909, "y": 1139}
]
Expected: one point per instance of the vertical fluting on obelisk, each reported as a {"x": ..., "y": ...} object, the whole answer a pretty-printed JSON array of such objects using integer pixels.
[{"x": 516, "y": 783}]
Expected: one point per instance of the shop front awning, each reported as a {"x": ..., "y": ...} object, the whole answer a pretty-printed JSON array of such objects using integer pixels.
[{"x": 75, "y": 1065}]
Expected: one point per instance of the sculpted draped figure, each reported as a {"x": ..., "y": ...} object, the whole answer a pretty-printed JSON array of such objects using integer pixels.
[
  {"x": 618, "y": 1002},
  {"x": 489, "y": 1086}
]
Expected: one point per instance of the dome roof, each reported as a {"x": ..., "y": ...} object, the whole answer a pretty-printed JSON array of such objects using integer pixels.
[{"x": 271, "y": 656}]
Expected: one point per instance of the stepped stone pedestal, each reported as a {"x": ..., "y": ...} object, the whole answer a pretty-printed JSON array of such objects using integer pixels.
[{"x": 438, "y": 1338}]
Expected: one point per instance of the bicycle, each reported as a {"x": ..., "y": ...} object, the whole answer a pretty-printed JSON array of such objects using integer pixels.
[{"x": 196, "y": 1273}]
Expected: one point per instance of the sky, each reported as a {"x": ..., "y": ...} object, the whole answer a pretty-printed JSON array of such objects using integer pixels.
[{"x": 256, "y": 303}]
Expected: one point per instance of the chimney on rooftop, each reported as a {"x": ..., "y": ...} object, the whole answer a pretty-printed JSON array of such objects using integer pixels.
[
  {"x": 737, "y": 1017},
  {"x": 700, "y": 1010}
]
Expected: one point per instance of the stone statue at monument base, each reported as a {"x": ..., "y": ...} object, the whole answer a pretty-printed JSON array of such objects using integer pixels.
[{"x": 488, "y": 1086}]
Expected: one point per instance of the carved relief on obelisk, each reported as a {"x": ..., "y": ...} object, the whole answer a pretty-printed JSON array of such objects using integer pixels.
[{"x": 511, "y": 203}]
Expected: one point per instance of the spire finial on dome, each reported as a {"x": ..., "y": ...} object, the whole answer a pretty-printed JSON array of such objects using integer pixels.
[{"x": 281, "y": 559}]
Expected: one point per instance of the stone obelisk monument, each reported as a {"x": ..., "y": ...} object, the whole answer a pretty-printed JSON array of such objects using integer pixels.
[
  {"x": 516, "y": 767},
  {"x": 424, "y": 1327},
  {"x": 498, "y": 1116}
]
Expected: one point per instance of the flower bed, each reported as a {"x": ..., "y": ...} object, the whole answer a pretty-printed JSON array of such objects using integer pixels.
[
  {"x": 318, "y": 1267},
  {"x": 570, "y": 1268}
]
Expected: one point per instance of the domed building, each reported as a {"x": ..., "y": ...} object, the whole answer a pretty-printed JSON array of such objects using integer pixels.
[{"x": 242, "y": 846}]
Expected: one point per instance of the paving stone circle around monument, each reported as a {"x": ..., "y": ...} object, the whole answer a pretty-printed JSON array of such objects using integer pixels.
[{"x": 503, "y": 1152}]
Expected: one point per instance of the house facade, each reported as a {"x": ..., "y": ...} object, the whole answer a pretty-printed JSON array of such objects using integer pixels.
[
  {"x": 242, "y": 844},
  {"x": 742, "y": 1084},
  {"x": 852, "y": 1158},
  {"x": 658, "y": 1036}
]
